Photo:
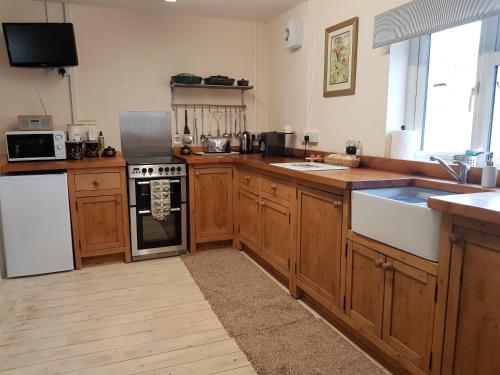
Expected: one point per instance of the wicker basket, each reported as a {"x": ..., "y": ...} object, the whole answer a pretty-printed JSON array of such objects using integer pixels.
[{"x": 353, "y": 163}]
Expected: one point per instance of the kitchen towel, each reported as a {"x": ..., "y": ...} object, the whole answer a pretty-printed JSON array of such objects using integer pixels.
[
  {"x": 405, "y": 144},
  {"x": 160, "y": 199}
]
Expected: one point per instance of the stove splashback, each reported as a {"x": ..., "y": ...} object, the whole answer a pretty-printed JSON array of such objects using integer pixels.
[{"x": 145, "y": 134}]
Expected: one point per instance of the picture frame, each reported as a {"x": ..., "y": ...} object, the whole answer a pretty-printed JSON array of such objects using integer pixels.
[{"x": 341, "y": 55}]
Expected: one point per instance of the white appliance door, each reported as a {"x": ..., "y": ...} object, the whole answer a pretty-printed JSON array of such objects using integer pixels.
[{"x": 35, "y": 224}]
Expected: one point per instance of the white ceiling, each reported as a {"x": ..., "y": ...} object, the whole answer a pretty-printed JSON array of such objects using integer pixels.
[{"x": 249, "y": 10}]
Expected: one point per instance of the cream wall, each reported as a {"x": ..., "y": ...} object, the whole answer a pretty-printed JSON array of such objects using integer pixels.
[
  {"x": 125, "y": 61},
  {"x": 298, "y": 78},
  {"x": 18, "y": 86}
]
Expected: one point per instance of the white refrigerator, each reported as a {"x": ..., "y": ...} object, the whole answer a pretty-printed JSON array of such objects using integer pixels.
[{"x": 35, "y": 225}]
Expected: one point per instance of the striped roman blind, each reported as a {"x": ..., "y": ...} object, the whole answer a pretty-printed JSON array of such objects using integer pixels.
[{"x": 420, "y": 17}]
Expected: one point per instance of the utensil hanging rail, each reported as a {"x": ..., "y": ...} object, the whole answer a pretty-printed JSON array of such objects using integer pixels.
[{"x": 180, "y": 105}]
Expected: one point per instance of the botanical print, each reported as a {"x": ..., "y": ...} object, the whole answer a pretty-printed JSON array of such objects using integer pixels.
[
  {"x": 341, "y": 44},
  {"x": 340, "y": 47}
]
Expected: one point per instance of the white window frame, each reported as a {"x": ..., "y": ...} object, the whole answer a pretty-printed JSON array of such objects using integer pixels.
[{"x": 418, "y": 73}]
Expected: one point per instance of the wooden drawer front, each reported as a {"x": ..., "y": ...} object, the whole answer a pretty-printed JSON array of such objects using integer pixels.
[
  {"x": 277, "y": 188},
  {"x": 97, "y": 181},
  {"x": 250, "y": 180}
]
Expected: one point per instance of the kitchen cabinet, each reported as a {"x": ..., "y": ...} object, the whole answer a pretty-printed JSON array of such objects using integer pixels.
[
  {"x": 409, "y": 305},
  {"x": 99, "y": 213},
  {"x": 391, "y": 300},
  {"x": 472, "y": 332},
  {"x": 100, "y": 222},
  {"x": 211, "y": 204},
  {"x": 365, "y": 288},
  {"x": 265, "y": 219},
  {"x": 319, "y": 246},
  {"x": 276, "y": 220},
  {"x": 250, "y": 224}
]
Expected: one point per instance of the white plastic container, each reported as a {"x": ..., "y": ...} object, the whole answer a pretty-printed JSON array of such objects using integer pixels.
[{"x": 489, "y": 177}]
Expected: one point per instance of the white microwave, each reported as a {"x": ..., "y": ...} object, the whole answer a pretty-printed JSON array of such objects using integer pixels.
[{"x": 36, "y": 145}]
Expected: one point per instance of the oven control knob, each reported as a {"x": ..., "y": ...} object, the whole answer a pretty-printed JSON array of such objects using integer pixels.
[
  {"x": 172, "y": 169},
  {"x": 179, "y": 169},
  {"x": 160, "y": 169},
  {"x": 150, "y": 170},
  {"x": 144, "y": 170}
]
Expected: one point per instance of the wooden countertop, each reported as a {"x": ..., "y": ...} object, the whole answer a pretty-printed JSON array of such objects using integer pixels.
[
  {"x": 480, "y": 206},
  {"x": 473, "y": 200},
  {"x": 57, "y": 165}
]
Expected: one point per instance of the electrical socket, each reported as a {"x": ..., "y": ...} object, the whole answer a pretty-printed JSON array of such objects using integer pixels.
[{"x": 313, "y": 136}]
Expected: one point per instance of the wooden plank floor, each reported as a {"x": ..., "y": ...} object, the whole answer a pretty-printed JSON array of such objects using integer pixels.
[{"x": 140, "y": 318}]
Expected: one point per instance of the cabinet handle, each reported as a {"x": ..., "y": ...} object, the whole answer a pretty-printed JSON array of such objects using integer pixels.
[
  {"x": 337, "y": 204},
  {"x": 118, "y": 201},
  {"x": 455, "y": 238},
  {"x": 274, "y": 186},
  {"x": 378, "y": 262},
  {"x": 388, "y": 266},
  {"x": 247, "y": 178}
]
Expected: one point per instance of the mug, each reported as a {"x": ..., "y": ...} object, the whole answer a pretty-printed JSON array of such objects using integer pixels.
[{"x": 74, "y": 150}]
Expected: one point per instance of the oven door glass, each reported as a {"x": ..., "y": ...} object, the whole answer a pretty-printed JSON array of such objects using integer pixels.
[
  {"x": 152, "y": 233},
  {"x": 143, "y": 193},
  {"x": 24, "y": 146}
]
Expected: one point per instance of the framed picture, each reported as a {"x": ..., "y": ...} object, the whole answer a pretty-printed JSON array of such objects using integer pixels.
[{"x": 341, "y": 50}]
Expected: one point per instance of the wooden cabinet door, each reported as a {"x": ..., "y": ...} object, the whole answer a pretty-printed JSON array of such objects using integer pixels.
[
  {"x": 409, "y": 306},
  {"x": 472, "y": 334},
  {"x": 276, "y": 235},
  {"x": 100, "y": 223},
  {"x": 319, "y": 243},
  {"x": 213, "y": 190},
  {"x": 250, "y": 222},
  {"x": 365, "y": 288}
]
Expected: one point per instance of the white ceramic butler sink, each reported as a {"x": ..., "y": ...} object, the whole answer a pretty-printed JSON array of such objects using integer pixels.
[{"x": 399, "y": 217}]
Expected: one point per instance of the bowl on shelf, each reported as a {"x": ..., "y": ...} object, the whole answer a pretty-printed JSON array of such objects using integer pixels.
[
  {"x": 219, "y": 80},
  {"x": 186, "y": 79},
  {"x": 243, "y": 82}
]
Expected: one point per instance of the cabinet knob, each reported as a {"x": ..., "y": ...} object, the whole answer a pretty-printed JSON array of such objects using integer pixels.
[
  {"x": 388, "y": 266},
  {"x": 256, "y": 201},
  {"x": 274, "y": 186},
  {"x": 97, "y": 182},
  {"x": 455, "y": 238},
  {"x": 197, "y": 174},
  {"x": 247, "y": 178},
  {"x": 378, "y": 262},
  {"x": 337, "y": 204},
  {"x": 262, "y": 203},
  {"x": 118, "y": 201}
]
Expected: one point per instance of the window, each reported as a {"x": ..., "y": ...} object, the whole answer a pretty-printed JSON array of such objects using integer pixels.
[{"x": 453, "y": 89}]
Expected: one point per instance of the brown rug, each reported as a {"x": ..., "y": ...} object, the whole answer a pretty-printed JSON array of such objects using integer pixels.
[{"x": 277, "y": 334}]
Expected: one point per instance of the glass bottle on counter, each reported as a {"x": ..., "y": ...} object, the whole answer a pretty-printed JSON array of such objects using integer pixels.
[{"x": 101, "y": 142}]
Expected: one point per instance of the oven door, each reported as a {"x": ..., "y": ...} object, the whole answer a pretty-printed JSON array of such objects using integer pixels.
[
  {"x": 150, "y": 236},
  {"x": 30, "y": 146},
  {"x": 140, "y": 192}
]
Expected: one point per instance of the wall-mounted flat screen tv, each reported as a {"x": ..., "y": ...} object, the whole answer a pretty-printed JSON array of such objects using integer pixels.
[{"x": 40, "y": 45}]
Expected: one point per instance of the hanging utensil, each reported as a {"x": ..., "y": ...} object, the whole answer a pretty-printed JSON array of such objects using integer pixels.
[
  {"x": 187, "y": 138},
  {"x": 203, "y": 137},
  {"x": 209, "y": 122},
  {"x": 177, "y": 137},
  {"x": 230, "y": 122},
  {"x": 236, "y": 133},
  {"x": 226, "y": 134},
  {"x": 217, "y": 117},
  {"x": 195, "y": 126}
]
